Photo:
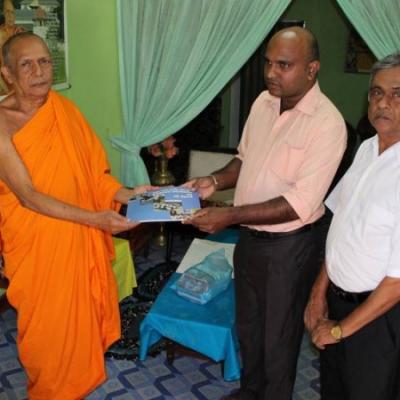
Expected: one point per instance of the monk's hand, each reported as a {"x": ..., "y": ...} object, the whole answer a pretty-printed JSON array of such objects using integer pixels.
[
  {"x": 111, "y": 221},
  {"x": 205, "y": 186},
  {"x": 124, "y": 194},
  {"x": 211, "y": 219},
  {"x": 316, "y": 310},
  {"x": 143, "y": 188},
  {"x": 321, "y": 334}
]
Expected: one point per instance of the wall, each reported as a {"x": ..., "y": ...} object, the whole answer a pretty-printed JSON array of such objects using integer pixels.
[
  {"x": 326, "y": 20},
  {"x": 94, "y": 77},
  {"x": 347, "y": 90},
  {"x": 93, "y": 68}
]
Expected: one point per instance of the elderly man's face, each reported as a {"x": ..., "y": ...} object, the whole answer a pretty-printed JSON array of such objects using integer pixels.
[
  {"x": 384, "y": 102},
  {"x": 30, "y": 71},
  {"x": 287, "y": 72}
]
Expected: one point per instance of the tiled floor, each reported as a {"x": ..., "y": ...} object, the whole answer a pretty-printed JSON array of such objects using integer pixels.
[{"x": 154, "y": 379}]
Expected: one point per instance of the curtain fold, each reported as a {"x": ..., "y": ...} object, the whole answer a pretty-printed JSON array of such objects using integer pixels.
[
  {"x": 377, "y": 22},
  {"x": 175, "y": 56}
]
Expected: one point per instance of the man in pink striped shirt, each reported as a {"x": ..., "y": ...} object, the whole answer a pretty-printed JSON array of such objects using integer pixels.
[{"x": 290, "y": 149}]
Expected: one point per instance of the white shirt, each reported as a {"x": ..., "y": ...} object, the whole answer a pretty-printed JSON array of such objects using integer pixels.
[{"x": 363, "y": 244}]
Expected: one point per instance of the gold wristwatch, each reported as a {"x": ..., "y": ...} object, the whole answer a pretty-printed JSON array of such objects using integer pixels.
[{"x": 336, "y": 332}]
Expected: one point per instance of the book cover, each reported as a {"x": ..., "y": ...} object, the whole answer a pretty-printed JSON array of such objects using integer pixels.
[{"x": 166, "y": 204}]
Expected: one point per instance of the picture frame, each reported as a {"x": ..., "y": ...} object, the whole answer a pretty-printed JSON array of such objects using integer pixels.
[
  {"x": 288, "y": 23},
  {"x": 47, "y": 19},
  {"x": 359, "y": 58}
]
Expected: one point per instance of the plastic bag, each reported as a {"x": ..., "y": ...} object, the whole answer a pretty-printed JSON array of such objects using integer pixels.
[{"x": 205, "y": 280}]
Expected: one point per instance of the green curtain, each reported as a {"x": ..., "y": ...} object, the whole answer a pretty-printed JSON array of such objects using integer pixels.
[
  {"x": 175, "y": 57},
  {"x": 377, "y": 22}
]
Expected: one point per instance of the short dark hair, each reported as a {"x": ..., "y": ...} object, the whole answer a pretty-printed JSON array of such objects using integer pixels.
[
  {"x": 5, "y": 50},
  {"x": 390, "y": 61},
  {"x": 314, "y": 48}
]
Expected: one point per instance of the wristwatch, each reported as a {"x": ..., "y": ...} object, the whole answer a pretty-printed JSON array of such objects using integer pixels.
[{"x": 336, "y": 332}]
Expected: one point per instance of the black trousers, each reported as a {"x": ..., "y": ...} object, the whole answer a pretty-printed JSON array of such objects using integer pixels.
[
  {"x": 273, "y": 279},
  {"x": 366, "y": 365}
]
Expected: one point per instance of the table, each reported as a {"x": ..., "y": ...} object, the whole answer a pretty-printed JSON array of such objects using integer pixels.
[
  {"x": 123, "y": 268},
  {"x": 208, "y": 329}
]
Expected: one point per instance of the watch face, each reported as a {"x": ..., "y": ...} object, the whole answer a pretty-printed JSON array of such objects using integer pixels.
[{"x": 336, "y": 332}]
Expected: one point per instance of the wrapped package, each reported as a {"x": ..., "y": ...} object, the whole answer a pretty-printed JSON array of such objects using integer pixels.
[{"x": 205, "y": 280}]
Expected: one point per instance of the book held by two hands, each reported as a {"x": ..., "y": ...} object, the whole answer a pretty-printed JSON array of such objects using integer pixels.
[{"x": 166, "y": 204}]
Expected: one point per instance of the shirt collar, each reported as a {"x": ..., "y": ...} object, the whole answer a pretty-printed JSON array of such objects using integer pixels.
[
  {"x": 394, "y": 148},
  {"x": 306, "y": 105}
]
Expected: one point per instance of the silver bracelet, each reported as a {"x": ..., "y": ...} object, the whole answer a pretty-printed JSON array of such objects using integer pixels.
[{"x": 214, "y": 179}]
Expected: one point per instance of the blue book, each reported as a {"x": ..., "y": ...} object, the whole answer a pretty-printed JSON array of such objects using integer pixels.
[{"x": 167, "y": 204}]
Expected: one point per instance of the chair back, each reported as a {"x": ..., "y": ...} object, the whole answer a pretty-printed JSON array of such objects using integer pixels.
[{"x": 203, "y": 163}]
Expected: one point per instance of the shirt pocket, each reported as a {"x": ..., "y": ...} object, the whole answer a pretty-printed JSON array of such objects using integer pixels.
[
  {"x": 378, "y": 218},
  {"x": 287, "y": 159},
  {"x": 375, "y": 226}
]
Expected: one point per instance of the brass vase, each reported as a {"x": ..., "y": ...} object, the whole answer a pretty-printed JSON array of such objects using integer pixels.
[{"x": 161, "y": 177}]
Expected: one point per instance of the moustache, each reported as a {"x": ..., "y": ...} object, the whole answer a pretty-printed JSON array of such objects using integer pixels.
[
  {"x": 272, "y": 82},
  {"x": 381, "y": 114}
]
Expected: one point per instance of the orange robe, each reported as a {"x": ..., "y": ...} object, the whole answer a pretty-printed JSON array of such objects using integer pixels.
[{"x": 61, "y": 281}]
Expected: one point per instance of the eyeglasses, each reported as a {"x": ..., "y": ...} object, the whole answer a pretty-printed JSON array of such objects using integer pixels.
[{"x": 377, "y": 94}]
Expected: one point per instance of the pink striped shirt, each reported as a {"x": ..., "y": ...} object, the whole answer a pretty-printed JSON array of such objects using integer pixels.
[{"x": 294, "y": 154}]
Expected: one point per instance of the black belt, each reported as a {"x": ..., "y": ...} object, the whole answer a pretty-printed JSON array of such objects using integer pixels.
[
  {"x": 348, "y": 296},
  {"x": 277, "y": 235}
]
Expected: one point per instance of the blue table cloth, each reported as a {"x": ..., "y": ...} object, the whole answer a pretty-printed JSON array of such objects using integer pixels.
[{"x": 208, "y": 329}]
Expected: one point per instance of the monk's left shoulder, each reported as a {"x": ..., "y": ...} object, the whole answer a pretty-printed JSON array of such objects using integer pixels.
[{"x": 68, "y": 105}]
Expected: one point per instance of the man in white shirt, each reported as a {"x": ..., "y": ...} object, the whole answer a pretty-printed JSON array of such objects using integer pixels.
[{"x": 354, "y": 313}]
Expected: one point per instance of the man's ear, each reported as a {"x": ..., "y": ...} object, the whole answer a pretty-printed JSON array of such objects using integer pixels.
[
  {"x": 6, "y": 74},
  {"x": 313, "y": 68}
]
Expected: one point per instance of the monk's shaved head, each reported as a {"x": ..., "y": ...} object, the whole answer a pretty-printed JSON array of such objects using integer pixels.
[
  {"x": 304, "y": 37},
  {"x": 6, "y": 50},
  {"x": 27, "y": 66}
]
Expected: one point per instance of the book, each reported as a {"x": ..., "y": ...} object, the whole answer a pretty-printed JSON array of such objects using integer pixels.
[{"x": 166, "y": 204}]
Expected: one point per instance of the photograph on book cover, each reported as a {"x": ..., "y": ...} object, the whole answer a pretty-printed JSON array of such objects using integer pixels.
[
  {"x": 166, "y": 204},
  {"x": 45, "y": 18}
]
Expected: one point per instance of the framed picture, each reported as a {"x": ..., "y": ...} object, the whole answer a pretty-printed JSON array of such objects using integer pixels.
[
  {"x": 359, "y": 58},
  {"x": 46, "y": 18}
]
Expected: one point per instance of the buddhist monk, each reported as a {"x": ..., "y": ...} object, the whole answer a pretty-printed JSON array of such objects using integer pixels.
[
  {"x": 58, "y": 264},
  {"x": 15, "y": 175}
]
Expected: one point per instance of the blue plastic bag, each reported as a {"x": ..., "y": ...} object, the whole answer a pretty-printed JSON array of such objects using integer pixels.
[{"x": 205, "y": 280}]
